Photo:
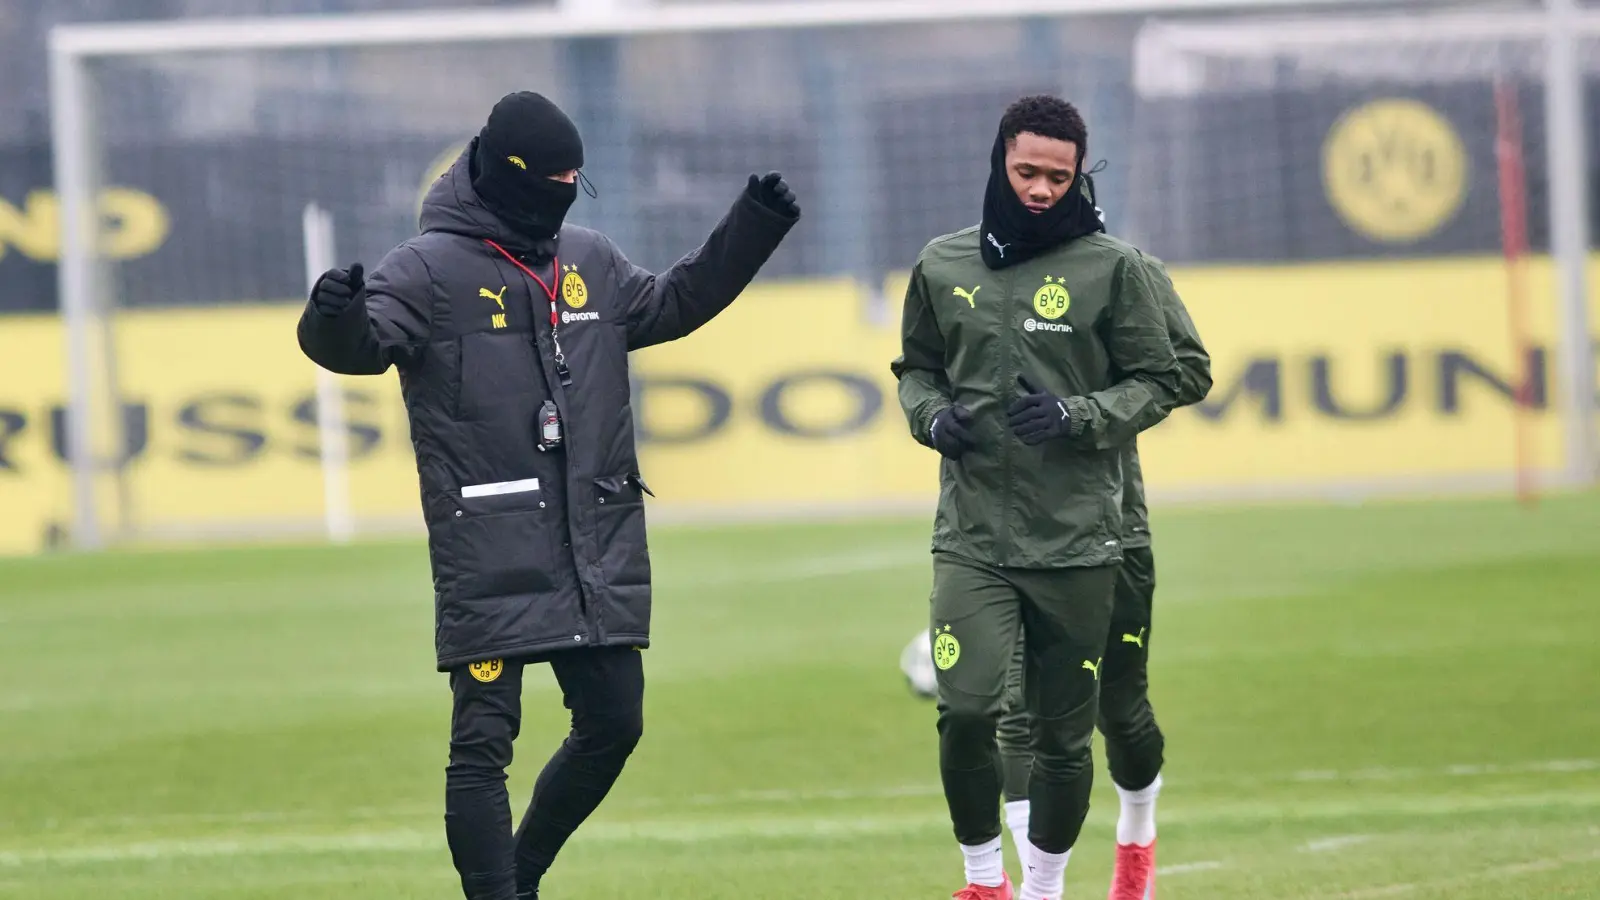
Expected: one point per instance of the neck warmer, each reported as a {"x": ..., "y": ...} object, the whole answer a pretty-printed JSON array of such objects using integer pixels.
[
  {"x": 533, "y": 206},
  {"x": 1011, "y": 234}
]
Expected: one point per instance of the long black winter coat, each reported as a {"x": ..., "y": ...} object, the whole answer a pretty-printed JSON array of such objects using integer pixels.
[{"x": 531, "y": 551}]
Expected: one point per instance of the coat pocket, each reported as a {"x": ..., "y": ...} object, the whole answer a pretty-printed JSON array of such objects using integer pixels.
[
  {"x": 501, "y": 539},
  {"x": 620, "y": 527}
]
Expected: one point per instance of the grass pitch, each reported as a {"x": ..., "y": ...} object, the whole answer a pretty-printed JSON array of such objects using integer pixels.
[{"x": 1361, "y": 702}]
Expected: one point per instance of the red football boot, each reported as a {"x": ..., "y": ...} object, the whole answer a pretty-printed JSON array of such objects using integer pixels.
[
  {"x": 1135, "y": 875},
  {"x": 979, "y": 892}
]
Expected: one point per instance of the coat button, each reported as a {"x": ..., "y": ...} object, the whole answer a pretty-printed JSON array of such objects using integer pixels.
[
  {"x": 602, "y": 499},
  {"x": 541, "y": 504},
  {"x": 578, "y": 637},
  {"x": 458, "y": 513}
]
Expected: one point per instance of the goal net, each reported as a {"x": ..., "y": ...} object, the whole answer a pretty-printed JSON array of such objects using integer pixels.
[{"x": 1277, "y": 181}]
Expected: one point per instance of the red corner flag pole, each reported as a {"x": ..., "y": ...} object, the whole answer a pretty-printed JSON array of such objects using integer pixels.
[{"x": 1514, "y": 241}]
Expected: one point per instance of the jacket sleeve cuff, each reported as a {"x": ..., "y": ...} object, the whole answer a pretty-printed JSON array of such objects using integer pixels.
[{"x": 1079, "y": 414}]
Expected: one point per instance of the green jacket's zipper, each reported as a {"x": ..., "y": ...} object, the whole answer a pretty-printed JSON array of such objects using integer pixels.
[{"x": 1008, "y": 375}]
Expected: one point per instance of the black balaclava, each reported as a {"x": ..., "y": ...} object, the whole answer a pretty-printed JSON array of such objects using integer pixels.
[
  {"x": 1011, "y": 234},
  {"x": 526, "y": 139}
]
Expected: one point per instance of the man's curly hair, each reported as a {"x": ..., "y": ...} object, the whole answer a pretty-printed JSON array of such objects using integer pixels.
[{"x": 1046, "y": 116}]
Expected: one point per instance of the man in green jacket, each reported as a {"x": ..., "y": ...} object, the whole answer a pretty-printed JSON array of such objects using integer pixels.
[
  {"x": 1134, "y": 743},
  {"x": 1034, "y": 348}
]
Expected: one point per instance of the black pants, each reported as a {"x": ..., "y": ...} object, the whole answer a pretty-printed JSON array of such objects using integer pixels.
[
  {"x": 980, "y": 613},
  {"x": 604, "y": 689},
  {"x": 1134, "y": 744}
]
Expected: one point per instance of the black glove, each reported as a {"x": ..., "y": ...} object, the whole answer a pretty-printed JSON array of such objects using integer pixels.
[
  {"x": 1038, "y": 416},
  {"x": 949, "y": 433},
  {"x": 773, "y": 193},
  {"x": 337, "y": 289}
]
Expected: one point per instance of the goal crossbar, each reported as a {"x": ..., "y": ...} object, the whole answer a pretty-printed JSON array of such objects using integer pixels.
[
  {"x": 1263, "y": 38},
  {"x": 490, "y": 25}
]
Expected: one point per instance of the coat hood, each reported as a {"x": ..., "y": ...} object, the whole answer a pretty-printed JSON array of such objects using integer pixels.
[{"x": 453, "y": 207}]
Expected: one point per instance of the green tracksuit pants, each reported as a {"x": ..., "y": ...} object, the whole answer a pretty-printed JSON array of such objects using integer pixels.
[
  {"x": 979, "y": 614},
  {"x": 1134, "y": 743}
]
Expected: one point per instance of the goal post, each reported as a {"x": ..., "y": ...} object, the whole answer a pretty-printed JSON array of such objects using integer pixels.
[{"x": 317, "y": 224}]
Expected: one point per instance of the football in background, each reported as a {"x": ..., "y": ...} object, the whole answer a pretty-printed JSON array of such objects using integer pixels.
[{"x": 916, "y": 661}]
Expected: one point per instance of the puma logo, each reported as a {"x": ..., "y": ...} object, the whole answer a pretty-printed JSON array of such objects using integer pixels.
[
  {"x": 499, "y": 298},
  {"x": 1135, "y": 639},
  {"x": 970, "y": 296},
  {"x": 997, "y": 245},
  {"x": 1094, "y": 667}
]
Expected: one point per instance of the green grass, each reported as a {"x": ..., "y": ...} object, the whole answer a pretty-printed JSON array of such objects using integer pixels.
[{"x": 1381, "y": 701}]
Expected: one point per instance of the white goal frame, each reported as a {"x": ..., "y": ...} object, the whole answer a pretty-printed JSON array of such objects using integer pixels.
[
  {"x": 1161, "y": 67},
  {"x": 74, "y": 47}
]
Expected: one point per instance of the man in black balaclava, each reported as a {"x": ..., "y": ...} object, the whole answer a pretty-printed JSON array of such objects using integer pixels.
[
  {"x": 511, "y": 331},
  {"x": 525, "y": 164}
]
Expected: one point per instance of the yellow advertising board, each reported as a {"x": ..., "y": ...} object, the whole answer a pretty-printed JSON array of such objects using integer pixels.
[
  {"x": 221, "y": 426},
  {"x": 1361, "y": 373},
  {"x": 1325, "y": 374}
]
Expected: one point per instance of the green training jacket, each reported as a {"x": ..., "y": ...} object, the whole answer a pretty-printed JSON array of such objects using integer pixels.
[
  {"x": 1194, "y": 383},
  {"x": 1083, "y": 322}
]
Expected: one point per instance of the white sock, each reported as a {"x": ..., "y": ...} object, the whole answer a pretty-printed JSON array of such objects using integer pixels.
[
  {"x": 1046, "y": 875},
  {"x": 1136, "y": 824},
  {"x": 1017, "y": 824},
  {"x": 986, "y": 865}
]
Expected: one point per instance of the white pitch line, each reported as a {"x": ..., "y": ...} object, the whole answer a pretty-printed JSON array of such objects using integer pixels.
[
  {"x": 1542, "y": 767},
  {"x": 263, "y": 845},
  {"x": 674, "y": 832},
  {"x": 1184, "y": 868},
  {"x": 678, "y": 831},
  {"x": 1548, "y": 864},
  {"x": 784, "y": 796},
  {"x": 1328, "y": 845}
]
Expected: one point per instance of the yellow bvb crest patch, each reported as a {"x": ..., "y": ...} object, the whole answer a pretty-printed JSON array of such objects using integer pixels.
[
  {"x": 573, "y": 289},
  {"x": 1052, "y": 301},
  {"x": 486, "y": 671},
  {"x": 946, "y": 649}
]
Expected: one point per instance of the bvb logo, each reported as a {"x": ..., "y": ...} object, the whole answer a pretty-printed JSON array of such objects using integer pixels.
[
  {"x": 1052, "y": 300},
  {"x": 573, "y": 289},
  {"x": 946, "y": 650},
  {"x": 486, "y": 671},
  {"x": 1395, "y": 170}
]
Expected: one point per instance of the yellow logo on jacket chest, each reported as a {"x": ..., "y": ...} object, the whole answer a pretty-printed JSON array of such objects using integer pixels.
[
  {"x": 1052, "y": 301},
  {"x": 573, "y": 289}
]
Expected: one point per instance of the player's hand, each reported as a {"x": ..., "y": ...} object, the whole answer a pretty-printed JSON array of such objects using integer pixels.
[
  {"x": 337, "y": 289},
  {"x": 949, "y": 433},
  {"x": 773, "y": 193},
  {"x": 1038, "y": 416}
]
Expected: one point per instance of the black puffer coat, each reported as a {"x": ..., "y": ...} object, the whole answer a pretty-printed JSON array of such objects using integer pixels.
[{"x": 532, "y": 551}]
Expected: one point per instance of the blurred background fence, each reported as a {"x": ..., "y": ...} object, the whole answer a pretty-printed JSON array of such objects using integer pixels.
[{"x": 1337, "y": 188}]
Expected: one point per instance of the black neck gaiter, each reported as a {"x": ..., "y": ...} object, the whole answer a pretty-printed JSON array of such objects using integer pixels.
[
  {"x": 532, "y": 206},
  {"x": 1011, "y": 234}
]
